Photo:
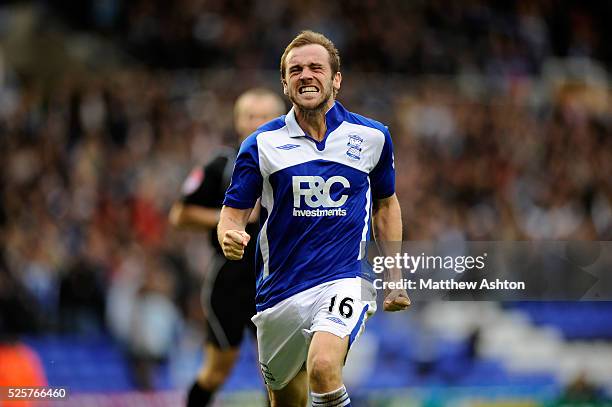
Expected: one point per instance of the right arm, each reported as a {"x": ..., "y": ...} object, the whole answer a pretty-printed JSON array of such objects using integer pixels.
[
  {"x": 186, "y": 216},
  {"x": 240, "y": 199},
  {"x": 196, "y": 217},
  {"x": 230, "y": 231},
  {"x": 198, "y": 207}
]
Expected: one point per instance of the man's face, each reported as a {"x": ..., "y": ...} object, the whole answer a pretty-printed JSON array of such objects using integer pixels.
[
  {"x": 309, "y": 81},
  {"x": 253, "y": 111}
]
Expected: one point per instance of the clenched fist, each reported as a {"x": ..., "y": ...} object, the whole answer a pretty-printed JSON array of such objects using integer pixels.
[
  {"x": 233, "y": 244},
  {"x": 396, "y": 300}
]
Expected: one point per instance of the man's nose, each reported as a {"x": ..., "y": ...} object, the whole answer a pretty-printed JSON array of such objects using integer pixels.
[{"x": 305, "y": 74}]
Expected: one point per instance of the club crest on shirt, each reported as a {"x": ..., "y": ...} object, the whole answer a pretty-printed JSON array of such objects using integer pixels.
[{"x": 354, "y": 147}]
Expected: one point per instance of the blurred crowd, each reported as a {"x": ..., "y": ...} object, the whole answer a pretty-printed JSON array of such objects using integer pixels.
[
  {"x": 501, "y": 170},
  {"x": 495, "y": 149},
  {"x": 434, "y": 36}
]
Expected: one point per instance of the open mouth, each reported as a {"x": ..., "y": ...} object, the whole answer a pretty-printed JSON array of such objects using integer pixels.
[{"x": 308, "y": 89}]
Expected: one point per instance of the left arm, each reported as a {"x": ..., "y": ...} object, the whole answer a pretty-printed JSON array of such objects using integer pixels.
[{"x": 387, "y": 228}]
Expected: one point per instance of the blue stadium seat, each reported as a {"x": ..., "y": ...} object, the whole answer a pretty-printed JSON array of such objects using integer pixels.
[
  {"x": 84, "y": 364},
  {"x": 575, "y": 320}
]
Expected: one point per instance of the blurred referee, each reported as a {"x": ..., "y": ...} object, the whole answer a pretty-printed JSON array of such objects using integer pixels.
[{"x": 227, "y": 316}]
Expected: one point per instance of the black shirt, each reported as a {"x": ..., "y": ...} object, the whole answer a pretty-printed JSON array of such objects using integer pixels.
[{"x": 205, "y": 186}]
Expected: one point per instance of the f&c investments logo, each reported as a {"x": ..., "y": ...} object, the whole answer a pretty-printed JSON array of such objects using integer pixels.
[{"x": 315, "y": 192}]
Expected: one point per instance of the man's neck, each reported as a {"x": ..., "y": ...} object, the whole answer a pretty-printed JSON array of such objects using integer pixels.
[{"x": 313, "y": 121}]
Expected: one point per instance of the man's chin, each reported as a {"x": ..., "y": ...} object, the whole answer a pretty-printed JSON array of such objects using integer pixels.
[{"x": 310, "y": 106}]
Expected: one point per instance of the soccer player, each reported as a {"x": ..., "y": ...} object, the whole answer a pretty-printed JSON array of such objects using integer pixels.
[
  {"x": 325, "y": 177},
  {"x": 228, "y": 293}
]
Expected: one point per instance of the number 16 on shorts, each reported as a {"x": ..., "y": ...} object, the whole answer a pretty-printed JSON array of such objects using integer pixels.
[{"x": 345, "y": 307}]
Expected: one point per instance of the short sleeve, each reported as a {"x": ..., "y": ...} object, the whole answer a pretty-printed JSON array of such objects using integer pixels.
[
  {"x": 202, "y": 186},
  {"x": 247, "y": 181},
  {"x": 382, "y": 177}
]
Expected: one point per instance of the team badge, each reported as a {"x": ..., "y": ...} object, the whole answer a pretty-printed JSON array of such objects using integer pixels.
[
  {"x": 354, "y": 147},
  {"x": 193, "y": 181}
]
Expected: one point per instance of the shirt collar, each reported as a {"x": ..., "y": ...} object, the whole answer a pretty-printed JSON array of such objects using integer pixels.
[
  {"x": 292, "y": 125},
  {"x": 333, "y": 118}
]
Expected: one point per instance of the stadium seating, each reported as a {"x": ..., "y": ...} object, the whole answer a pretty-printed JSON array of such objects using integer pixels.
[
  {"x": 83, "y": 364},
  {"x": 582, "y": 320}
]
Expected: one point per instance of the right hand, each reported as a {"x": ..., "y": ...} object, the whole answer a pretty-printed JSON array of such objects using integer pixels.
[{"x": 233, "y": 244}]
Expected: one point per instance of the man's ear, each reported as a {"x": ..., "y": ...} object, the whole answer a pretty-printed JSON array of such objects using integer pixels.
[
  {"x": 337, "y": 81},
  {"x": 285, "y": 90}
]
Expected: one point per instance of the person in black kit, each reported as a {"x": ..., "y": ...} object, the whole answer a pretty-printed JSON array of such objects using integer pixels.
[{"x": 199, "y": 208}]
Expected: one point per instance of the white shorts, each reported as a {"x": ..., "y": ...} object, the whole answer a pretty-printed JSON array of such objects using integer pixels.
[{"x": 284, "y": 331}]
